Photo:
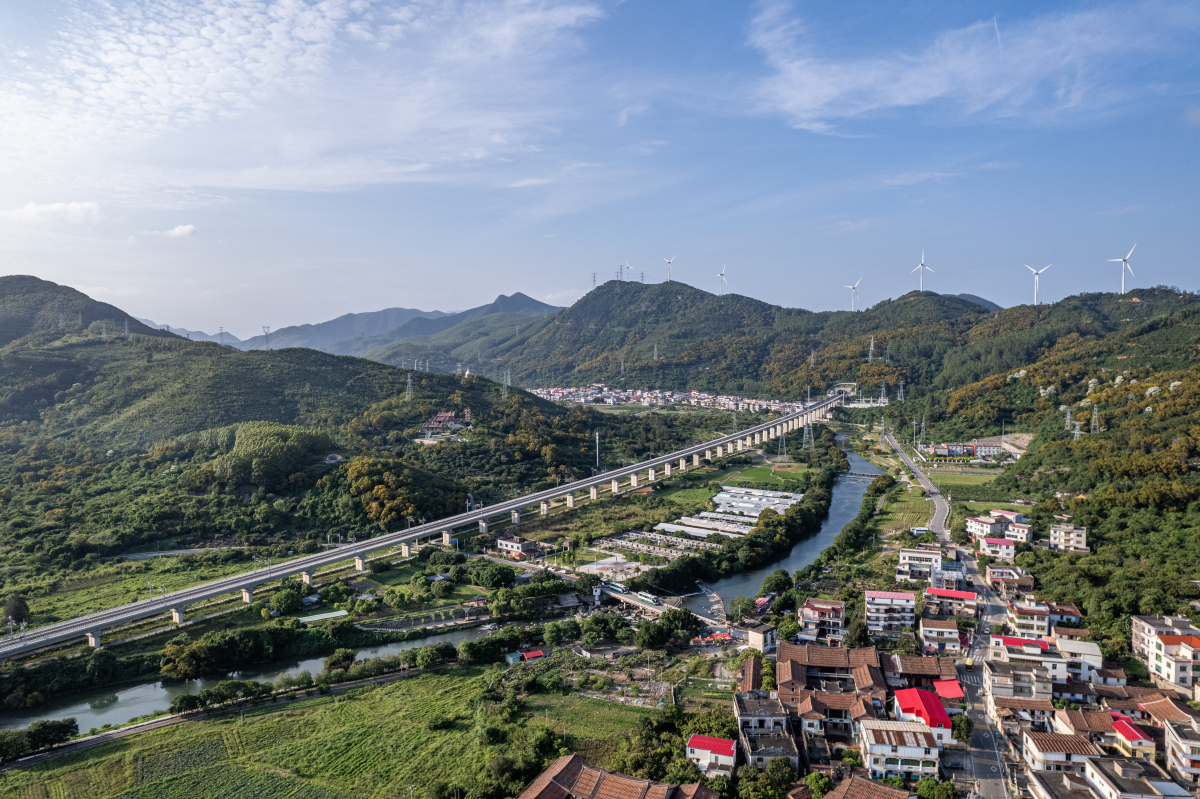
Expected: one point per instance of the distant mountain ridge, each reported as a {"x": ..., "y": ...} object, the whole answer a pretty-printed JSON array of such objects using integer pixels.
[
  {"x": 194, "y": 335},
  {"x": 991, "y": 306},
  {"x": 324, "y": 335}
]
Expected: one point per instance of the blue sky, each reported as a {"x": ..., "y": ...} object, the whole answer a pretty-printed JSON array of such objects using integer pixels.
[{"x": 246, "y": 162}]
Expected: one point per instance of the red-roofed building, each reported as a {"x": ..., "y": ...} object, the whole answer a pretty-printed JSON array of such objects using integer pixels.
[
  {"x": 948, "y": 689},
  {"x": 719, "y": 754},
  {"x": 948, "y": 602},
  {"x": 1008, "y": 640},
  {"x": 913, "y": 704},
  {"x": 534, "y": 654},
  {"x": 1132, "y": 740},
  {"x": 999, "y": 548}
]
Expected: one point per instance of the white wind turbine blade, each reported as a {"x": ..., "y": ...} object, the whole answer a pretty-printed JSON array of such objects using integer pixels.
[
  {"x": 1044, "y": 268},
  {"x": 857, "y": 282},
  {"x": 927, "y": 269},
  {"x": 1131, "y": 249},
  {"x": 1116, "y": 260},
  {"x": 1031, "y": 269},
  {"x": 915, "y": 268},
  {"x": 1130, "y": 268}
]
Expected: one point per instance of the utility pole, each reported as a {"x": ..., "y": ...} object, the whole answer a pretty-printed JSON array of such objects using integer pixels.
[
  {"x": 267, "y": 337},
  {"x": 871, "y": 351},
  {"x": 593, "y": 280}
]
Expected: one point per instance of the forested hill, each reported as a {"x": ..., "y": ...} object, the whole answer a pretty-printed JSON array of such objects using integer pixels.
[
  {"x": 30, "y": 305},
  {"x": 738, "y": 344}
]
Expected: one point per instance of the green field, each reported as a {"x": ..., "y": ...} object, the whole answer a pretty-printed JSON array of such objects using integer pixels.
[
  {"x": 763, "y": 474},
  {"x": 939, "y": 479},
  {"x": 374, "y": 742},
  {"x": 909, "y": 510}
]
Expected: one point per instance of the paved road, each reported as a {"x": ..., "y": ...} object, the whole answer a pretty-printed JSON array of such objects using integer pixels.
[
  {"x": 93, "y": 623},
  {"x": 941, "y": 508}
]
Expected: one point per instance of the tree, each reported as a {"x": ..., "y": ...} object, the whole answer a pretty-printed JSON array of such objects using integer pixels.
[
  {"x": 961, "y": 727},
  {"x": 15, "y": 608},
  {"x": 552, "y": 634},
  {"x": 740, "y": 607},
  {"x": 427, "y": 658},
  {"x": 780, "y": 772},
  {"x": 895, "y": 782},
  {"x": 926, "y": 787},
  {"x": 286, "y": 601},
  {"x": 856, "y": 633},
  {"x": 818, "y": 784},
  {"x": 853, "y": 757},
  {"x": 946, "y": 790}
]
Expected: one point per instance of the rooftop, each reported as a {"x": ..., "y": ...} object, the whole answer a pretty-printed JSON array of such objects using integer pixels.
[
  {"x": 718, "y": 746},
  {"x": 904, "y": 595},
  {"x": 571, "y": 777},
  {"x": 897, "y": 733},
  {"x": 750, "y": 705},
  {"x": 1136, "y": 777},
  {"x": 1069, "y": 646},
  {"x": 923, "y": 704},
  {"x": 950, "y": 594},
  {"x": 1057, "y": 742},
  {"x": 856, "y": 787}
]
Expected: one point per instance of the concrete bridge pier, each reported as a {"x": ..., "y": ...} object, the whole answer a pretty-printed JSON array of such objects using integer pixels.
[
  {"x": 633, "y": 481},
  {"x": 696, "y": 458},
  {"x": 248, "y": 596},
  {"x": 758, "y": 438},
  {"x": 516, "y": 517},
  {"x": 683, "y": 463},
  {"x": 594, "y": 492},
  {"x": 739, "y": 445},
  {"x": 93, "y": 639},
  {"x": 545, "y": 508},
  {"x": 570, "y": 498},
  {"x": 652, "y": 475},
  {"x": 177, "y": 615},
  {"x": 405, "y": 551},
  {"x": 616, "y": 486},
  {"x": 666, "y": 470},
  {"x": 720, "y": 451},
  {"x": 360, "y": 564},
  {"x": 483, "y": 526},
  {"x": 306, "y": 578},
  {"x": 446, "y": 536}
]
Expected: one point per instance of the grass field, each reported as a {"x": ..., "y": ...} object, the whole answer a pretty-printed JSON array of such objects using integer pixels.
[
  {"x": 980, "y": 507},
  {"x": 909, "y": 510},
  {"x": 762, "y": 474},
  {"x": 939, "y": 479},
  {"x": 374, "y": 742}
]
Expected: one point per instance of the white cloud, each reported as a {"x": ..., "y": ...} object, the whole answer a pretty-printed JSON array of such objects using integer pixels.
[
  {"x": 1047, "y": 65},
  {"x": 77, "y": 213},
  {"x": 180, "y": 232}
]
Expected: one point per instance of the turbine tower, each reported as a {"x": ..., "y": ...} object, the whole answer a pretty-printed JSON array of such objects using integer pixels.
[
  {"x": 922, "y": 269},
  {"x": 669, "y": 260},
  {"x": 1036, "y": 274},
  {"x": 1124, "y": 265},
  {"x": 853, "y": 293},
  {"x": 722, "y": 276}
]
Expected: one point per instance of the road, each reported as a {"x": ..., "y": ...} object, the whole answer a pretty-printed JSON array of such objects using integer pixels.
[
  {"x": 93, "y": 623},
  {"x": 941, "y": 508}
]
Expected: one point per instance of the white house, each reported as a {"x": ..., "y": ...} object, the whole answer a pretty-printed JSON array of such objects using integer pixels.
[
  {"x": 890, "y": 610},
  {"x": 1028, "y": 618},
  {"x": 999, "y": 548},
  {"x": 1083, "y": 657},
  {"x": 940, "y": 636},
  {"x": 985, "y": 526},
  {"x": 1176, "y": 659},
  {"x": 1068, "y": 537},
  {"x": 1052, "y": 751},
  {"x": 716, "y": 754},
  {"x": 1016, "y": 531},
  {"x": 898, "y": 749},
  {"x": 1183, "y": 750},
  {"x": 918, "y": 564}
]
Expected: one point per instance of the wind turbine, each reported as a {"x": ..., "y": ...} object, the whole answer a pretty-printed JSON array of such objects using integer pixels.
[
  {"x": 1124, "y": 265},
  {"x": 922, "y": 268},
  {"x": 1037, "y": 273},
  {"x": 668, "y": 260},
  {"x": 853, "y": 292},
  {"x": 722, "y": 276},
  {"x": 627, "y": 267}
]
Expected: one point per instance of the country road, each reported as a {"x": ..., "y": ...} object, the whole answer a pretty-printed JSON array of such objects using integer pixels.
[{"x": 941, "y": 508}]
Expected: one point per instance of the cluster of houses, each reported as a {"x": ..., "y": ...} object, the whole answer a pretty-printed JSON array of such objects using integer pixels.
[
  {"x": 998, "y": 532},
  {"x": 599, "y": 393},
  {"x": 445, "y": 422}
]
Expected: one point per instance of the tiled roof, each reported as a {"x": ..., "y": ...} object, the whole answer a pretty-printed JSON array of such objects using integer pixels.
[
  {"x": 1084, "y": 721},
  {"x": 1174, "y": 640},
  {"x": 949, "y": 594},
  {"x": 1008, "y": 640},
  {"x": 898, "y": 733},
  {"x": 828, "y": 656},
  {"x": 817, "y": 704},
  {"x": 751, "y": 674},
  {"x": 919, "y": 666},
  {"x": 868, "y": 678},
  {"x": 1057, "y": 742},
  {"x": 939, "y": 624},
  {"x": 785, "y": 673},
  {"x": 1000, "y": 541},
  {"x": 1166, "y": 709},
  {"x": 718, "y": 746},
  {"x": 856, "y": 787},
  {"x": 1129, "y": 731},
  {"x": 1064, "y": 608},
  {"x": 570, "y": 776},
  {"x": 1023, "y": 703},
  {"x": 1071, "y": 632},
  {"x": 948, "y": 689}
]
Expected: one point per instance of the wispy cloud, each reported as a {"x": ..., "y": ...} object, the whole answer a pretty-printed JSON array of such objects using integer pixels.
[
  {"x": 180, "y": 232},
  {"x": 76, "y": 213},
  {"x": 1047, "y": 65},
  {"x": 913, "y": 178}
]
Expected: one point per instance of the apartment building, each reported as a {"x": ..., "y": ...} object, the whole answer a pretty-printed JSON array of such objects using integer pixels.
[
  {"x": 1030, "y": 652},
  {"x": 1052, "y": 751},
  {"x": 1083, "y": 658},
  {"x": 940, "y": 637},
  {"x": 948, "y": 602},
  {"x": 1028, "y": 618},
  {"x": 1015, "y": 714},
  {"x": 898, "y": 749},
  {"x": 924, "y": 707},
  {"x": 1022, "y": 680},
  {"x": 890, "y": 611},
  {"x": 1125, "y": 778},
  {"x": 1019, "y": 531},
  {"x": 1176, "y": 660},
  {"x": 1146, "y": 630},
  {"x": 1182, "y": 743},
  {"x": 823, "y": 619},
  {"x": 764, "y": 729},
  {"x": 1068, "y": 537},
  {"x": 1009, "y": 516},
  {"x": 999, "y": 548},
  {"x": 985, "y": 526},
  {"x": 918, "y": 564}
]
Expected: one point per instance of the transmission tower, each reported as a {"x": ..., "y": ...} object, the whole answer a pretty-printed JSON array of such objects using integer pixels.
[
  {"x": 782, "y": 448},
  {"x": 809, "y": 443},
  {"x": 656, "y": 352},
  {"x": 127, "y": 330},
  {"x": 1078, "y": 432},
  {"x": 922, "y": 429},
  {"x": 80, "y": 320},
  {"x": 901, "y": 397},
  {"x": 593, "y": 280},
  {"x": 812, "y": 354},
  {"x": 507, "y": 383},
  {"x": 883, "y": 392},
  {"x": 887, "y": 355},
  {"x": 871, "y": 351},
  {"x": 267, "y": 337},
  {"x": 408, "y": 388},
  {"x": 1095, "y": 419},
  {"x": 1067, "y": 424},
  {"x": 622, "y": 367},
  {"x": 104, "y": 331}
]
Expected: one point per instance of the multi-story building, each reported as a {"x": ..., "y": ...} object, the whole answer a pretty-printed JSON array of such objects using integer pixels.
[
  {"x": 1015, "y": 714},
  {"x": 898, "y": 749},
  {"x": 763, "y": 729},
  {"x": 1068, "y": 537},
  {"x": 1125, "y": 778},
  {"x": 1083, "y": 658},
  {"x": 918, "y": 564},
  {"x": 1176, "y": 660},
  {"x": 1009, "y": 516},
  {"x": 948, "y": 602},
  {"x": 823, "y": 619},
  {"x": 890, "y": 611},
  {"x": 940, "y": 636},
  {"x": 1052, "y": 751},
  {"x": 1064, "y": 613},
  {"x": 1008, "y": 580},
  {"x": 924, "y": 707},
  {"x": 517, "y": 548},
  {"x": 1019, "y": 531},
  {"x": 1132, "y": 740},
  {"x": 1146, "y": 630},
  {"x": 1030, "y": 651},
  {"x": 1022, "y": 680},
  {"x": 1182, "y": 743},
  {"x": 1061, "y": 785},
  {"x": 1028, "y": 618},
  {"x": 985, "y": 526},
  {"x": 999, "y": 548},
  {"x": 833, "y": 714}
]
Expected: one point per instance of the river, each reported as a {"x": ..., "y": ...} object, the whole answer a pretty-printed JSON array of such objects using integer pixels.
[{"x": 100, "y": 707}]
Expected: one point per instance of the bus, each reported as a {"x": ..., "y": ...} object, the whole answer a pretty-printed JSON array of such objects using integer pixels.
[
  {"x": 649, "y": 599},
  {"x": 617, "y": 587},
  {"x": 970, "y": 664}
]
